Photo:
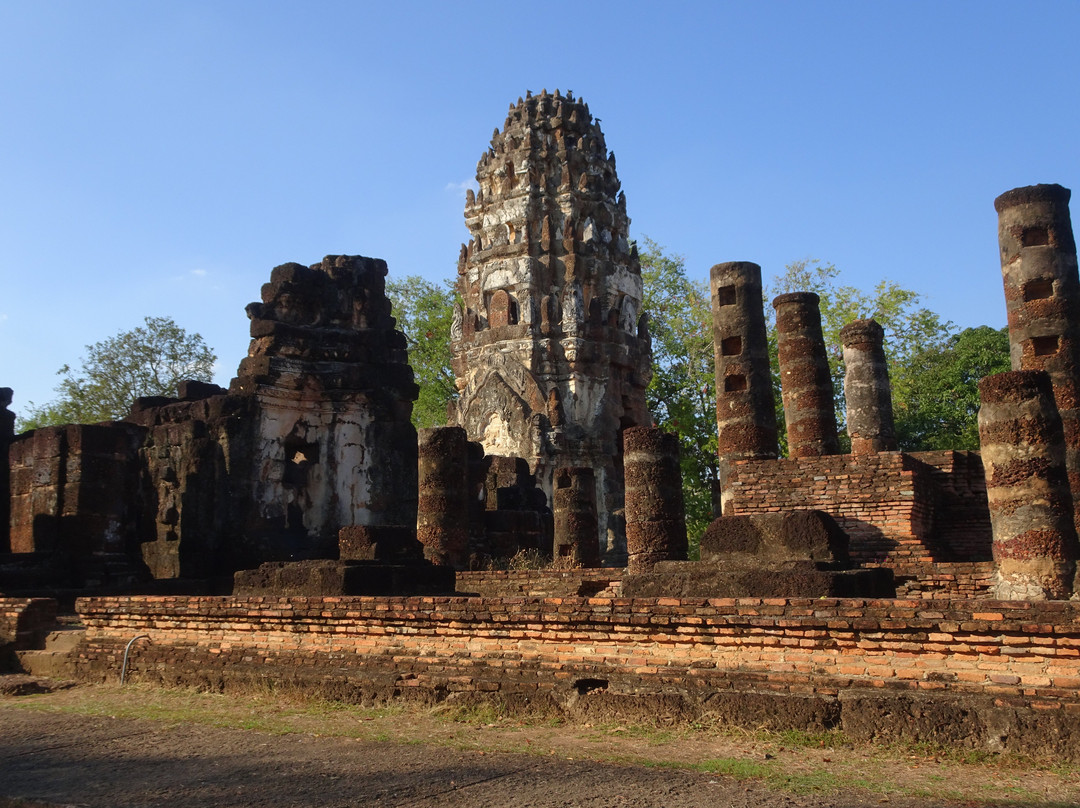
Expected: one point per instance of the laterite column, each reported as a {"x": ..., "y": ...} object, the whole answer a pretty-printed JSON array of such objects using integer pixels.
[
  {"x": 805, "y": 380},
  {"x": 574, "y": 506},
  {"x": 1042, "y": 298},
  {"x": 745, "y": 413},
  {"x": 442, "y": 513},
  {"x": 1023, "y": 454},
  {"x": 655, "y": 520},
  {"x": 867, "y": 393}
]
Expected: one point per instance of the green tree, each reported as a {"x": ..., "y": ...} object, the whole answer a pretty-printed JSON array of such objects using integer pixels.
[
  {"x": 150, "y": 360},
  {"x": 910, "y": 330},
  {"x": 424, "y": 311},
  {"x": 941, "y": 410},
  {"x": 681, "y": 393}
]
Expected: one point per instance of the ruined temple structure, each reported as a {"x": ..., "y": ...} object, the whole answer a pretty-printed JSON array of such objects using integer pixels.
[
  {"x": 922, "y": 515},
  {"x": 307, "y": 480},
  {"x": 313, "y": 435},
  {"x": 551, "y": 352}
]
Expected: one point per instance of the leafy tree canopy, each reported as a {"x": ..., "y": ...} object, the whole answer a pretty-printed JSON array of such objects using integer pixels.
[
  {"x": 424, "y": 311},
  {"x": 681, "y": 394},
  {"x": 941, "y": 408},
  {"x": 910, "y": 330},
  {"x": 150, "y": 360}
]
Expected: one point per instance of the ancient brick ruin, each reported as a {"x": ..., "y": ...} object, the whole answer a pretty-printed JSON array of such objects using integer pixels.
[
  {"x": 551, "y": 351},
  {"x": 834, "y": 590},
  {"x": 314, "y": 435}
]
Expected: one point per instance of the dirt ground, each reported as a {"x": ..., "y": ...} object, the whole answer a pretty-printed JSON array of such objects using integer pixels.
[{"x": 140, "y": 746}]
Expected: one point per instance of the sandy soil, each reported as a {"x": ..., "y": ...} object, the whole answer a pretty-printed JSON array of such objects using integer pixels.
[{"x": 81, "y": 746}]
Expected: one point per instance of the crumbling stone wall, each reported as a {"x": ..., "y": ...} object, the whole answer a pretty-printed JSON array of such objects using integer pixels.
[
  {"x": 313, "y": 435},
  {"x": 551, "y": 354},
  {"x": 192, "y": 453},
  {"x": 74, "y": 497},
  {"x": 24, "y": 622},
  {"x": 333, "y": 391},
  {"x": 509, "y": 512}
]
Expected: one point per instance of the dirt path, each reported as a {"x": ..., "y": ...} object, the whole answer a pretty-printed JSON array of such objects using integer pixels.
[{"x": 78, "y": 747}]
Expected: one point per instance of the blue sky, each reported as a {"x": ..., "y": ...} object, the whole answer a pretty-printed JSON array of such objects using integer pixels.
[{"x": 162, "y": 158}]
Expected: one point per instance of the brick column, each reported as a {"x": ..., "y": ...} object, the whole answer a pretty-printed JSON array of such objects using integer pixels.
[
  {"x": 1023, "y": 453},
  {"x": 574, "y": 504},
  {"x": 443, "y": 509},
  {"x": 805, "y": 381},
  {"x": 1042, "y": 298},
  {"x": 745, "y": 412},
  {"x": 655, "y": 519},
  {"x": 867, "y": 393}
]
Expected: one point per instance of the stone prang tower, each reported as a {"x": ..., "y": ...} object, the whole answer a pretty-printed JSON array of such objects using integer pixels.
[{"x": 551, "y": 351}]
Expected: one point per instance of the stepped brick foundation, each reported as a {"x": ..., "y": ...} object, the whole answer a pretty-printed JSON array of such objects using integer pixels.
[
  {"x": 991, "y": 675},
  {"x": 895, "y": 507}
]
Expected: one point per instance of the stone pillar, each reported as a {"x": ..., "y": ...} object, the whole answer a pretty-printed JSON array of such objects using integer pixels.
[
  {"x": 745, "y": 412},
  {"x": 1042, "y": 298},
  {"x": 574, "y": 504},
  {"x": 805, "y": 380},
  {"x": 866, "y": 388},
  {"x": 7, "y": 432},
  {"x": 1023, "y": 453},
  {"x": 655, "y": 519},
  {"x": 442, "y": 516}
]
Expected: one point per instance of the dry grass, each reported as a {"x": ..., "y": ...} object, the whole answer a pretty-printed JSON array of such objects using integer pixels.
[{"x": 800, "y": 763}]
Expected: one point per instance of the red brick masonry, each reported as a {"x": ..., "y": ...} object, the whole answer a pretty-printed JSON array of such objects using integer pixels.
[{"x": 989, "y": 674}]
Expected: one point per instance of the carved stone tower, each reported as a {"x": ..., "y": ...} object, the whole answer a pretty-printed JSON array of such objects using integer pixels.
[{"x": 550, "y": 355}]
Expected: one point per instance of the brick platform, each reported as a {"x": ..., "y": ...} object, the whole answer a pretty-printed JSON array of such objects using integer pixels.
[{"x": 989, "y": 675}]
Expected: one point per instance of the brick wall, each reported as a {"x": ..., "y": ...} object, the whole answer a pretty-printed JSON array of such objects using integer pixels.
[
  {"x": 602, "y": 582},
  {"x": 945, "y": 580},
  {"x": 988, "y": 674},
  {"x": 895, "y": 507},
  {"x": 23, "y": 624}
]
